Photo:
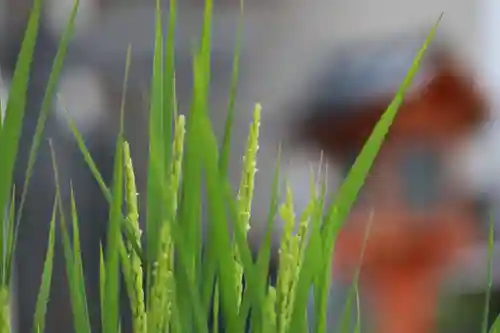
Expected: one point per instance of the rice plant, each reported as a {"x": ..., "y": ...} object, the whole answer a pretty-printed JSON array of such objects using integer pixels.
[{"x": 176, "y": 283}]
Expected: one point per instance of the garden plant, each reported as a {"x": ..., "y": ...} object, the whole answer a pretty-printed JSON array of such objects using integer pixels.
[{"x": 174, "y": 282}]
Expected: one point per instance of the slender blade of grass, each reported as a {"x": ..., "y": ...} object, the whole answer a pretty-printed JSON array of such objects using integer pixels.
[
  {"x": 489, "y": 283},
  {"x": 169, "y": 80},
  {"x": 189, "y": 221},
  {"x": 215, "y": 308},
  {"x": 169, "y": 109},
  {"x": 205, "y": 44},
  {"x": 80, "y": 314},
  {"x": 114, "y": 236},
  {"x": 190, "y": 210},
  {"x": 176, "y": 326},
  {"x": 10, "y": 132},
  {"x": 43, "y": 294},
  {"x": 226, "y": 141},
  {"x": 102, "y": 279},
  {"x": 221, "y": 238},
  {"x": 345, "y": 321},
  {"x": 8, "y": 246},
  {"x": 112, "y": 290},
  {"x": 6, "y": 264},
  {"x": 3, "y": 240},
  {"x": 77, "y": 260},
  {"x": 156, "y": 167}
]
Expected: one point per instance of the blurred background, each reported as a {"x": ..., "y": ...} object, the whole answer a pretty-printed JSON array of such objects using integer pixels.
[{"x": 304, "y": 60}]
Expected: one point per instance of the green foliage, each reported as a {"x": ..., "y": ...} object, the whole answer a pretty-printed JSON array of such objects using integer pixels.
[
  {"x": 186, "y": 282},
  {"x": 43, "y": 295},
  {"x": 10, "y": 133}
]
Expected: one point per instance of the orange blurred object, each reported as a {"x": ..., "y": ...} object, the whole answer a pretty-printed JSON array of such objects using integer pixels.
[{"x": 402, "y": 264}]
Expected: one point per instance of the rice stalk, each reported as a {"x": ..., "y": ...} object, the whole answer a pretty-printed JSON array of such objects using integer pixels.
[
  {"x": 291, "y": 255},
  {"x": 245, "y": 194},
  {"x": 163, "y": 288},
  {"x": 288, "y": 253},
  {"x": 136, "y": 292},
  {"x": 270, "y": 319}
]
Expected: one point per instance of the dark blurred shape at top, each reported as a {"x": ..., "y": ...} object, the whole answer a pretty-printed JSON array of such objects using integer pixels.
[{"x": 442, "y": 103}]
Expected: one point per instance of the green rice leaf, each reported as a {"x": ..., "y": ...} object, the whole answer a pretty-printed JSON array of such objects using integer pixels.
[
  {"x": 78, "y": 276},
  {"x": 8, "y": 247},
  {"x": 10, "y": 132},
  {"x": 114, "y": 236},
  {"x": 352, "y": 295},
  {"x": 102, "y": 279},
  {"x": 489, "y": 283},
  {"x": 226, "y": 141},
  {"x": 156, "y": 162},
  {"x": 43, "y": 294},
  {"x": 169, "y": 102},
  {"x": 80, "y": 313}
]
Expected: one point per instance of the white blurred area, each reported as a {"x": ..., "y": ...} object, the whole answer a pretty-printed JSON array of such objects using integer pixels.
[
  {"x": 59, "y": 11},
  {"x": 483, "y": 164},
  {"x": 82, "y": 87}
]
